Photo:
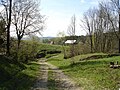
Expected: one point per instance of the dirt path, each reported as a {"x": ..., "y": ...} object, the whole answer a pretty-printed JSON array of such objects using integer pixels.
[
  {"x": 41, "y": 82},
  {"x": 62, "y": 82}
]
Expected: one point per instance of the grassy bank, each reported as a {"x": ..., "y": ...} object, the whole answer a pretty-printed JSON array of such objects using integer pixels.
[
  {"x": 92, "y": 74},
  {"x": 17, "y": 76},
  {"x": 49, "y": 47}
]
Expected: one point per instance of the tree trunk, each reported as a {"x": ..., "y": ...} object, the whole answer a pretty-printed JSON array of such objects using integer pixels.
[
  {"x": 91, "y": 43},
  {"x": 119, "y": 27},
  {"x": 18, "y": 44},
  {"x": 64, "y": 51},
  {"x": 18, "y": 47},
  {"x": 8, "y": 41},
  {"x": 8, "y": 29}
]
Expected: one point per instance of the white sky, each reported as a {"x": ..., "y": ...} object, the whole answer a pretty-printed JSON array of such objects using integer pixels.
[{"x": 59, "y": 13}]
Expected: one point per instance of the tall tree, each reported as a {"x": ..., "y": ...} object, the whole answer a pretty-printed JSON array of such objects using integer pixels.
[
  {"x": 72, "y": 26},
  {"x": 110, "y": 25},
  {"x": 26, "y": 18},
  {"x": 8, "y": 10},
  {"x": 71, "y": 32},
  {"x": 101, "y": 26},
  {"x": 116, "y": 7},
  {"x": 88, "y": 22},
  {"x": 61, "y": 35},
  {"x": 2, "y": 31}
]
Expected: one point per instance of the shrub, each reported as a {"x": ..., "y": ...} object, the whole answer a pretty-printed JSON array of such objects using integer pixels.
[{"x": 27, "y": 51}]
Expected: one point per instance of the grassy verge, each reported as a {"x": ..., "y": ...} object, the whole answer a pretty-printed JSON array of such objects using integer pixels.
[
  {"x": 51, "y": 81},
  {"x": 16, "y": 76},
  {"x": 92, "y": 74}
]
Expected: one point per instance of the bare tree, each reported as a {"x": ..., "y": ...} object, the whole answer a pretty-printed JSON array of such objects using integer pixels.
[
  {"x": 72, "y": 26},
  {"x": 112, "y": 11},
  {"x": 96, "y": 24},
  {"x": 71, "y": 32},
  {"x": 8, "y": 10},
  {"x": 102, "y": 26},
  {"x": 2, "y": 32},
  {"x": 61, "y": 35},
  {"x": 110, "y": 23},
  {"x": 88, "y": 22},
  {"x": 26, "y": 18},
  {"x": 116, "y": 4}
]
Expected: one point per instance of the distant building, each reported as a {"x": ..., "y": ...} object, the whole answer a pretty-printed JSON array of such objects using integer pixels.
[{"x": 70, "y": 41}]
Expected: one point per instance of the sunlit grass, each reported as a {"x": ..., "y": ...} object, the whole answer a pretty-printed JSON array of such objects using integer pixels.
[
  {"x": 28, "y": 76},
  {"x": 92, "y": 74}
]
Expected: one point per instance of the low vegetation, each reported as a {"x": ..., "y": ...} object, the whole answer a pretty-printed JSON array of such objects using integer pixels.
[
  {"x": 51, "y": 81},
  {"x": 47, "y": 50},
  {"x": 94, "y": 74},
  {"x": 17, "y": 76}
]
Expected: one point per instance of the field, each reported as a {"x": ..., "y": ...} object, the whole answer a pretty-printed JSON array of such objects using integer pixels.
[{"x": 92, "y": 74}]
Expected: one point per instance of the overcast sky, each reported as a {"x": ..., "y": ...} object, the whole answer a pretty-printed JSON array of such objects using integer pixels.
[{"x": 59, "y": 13}]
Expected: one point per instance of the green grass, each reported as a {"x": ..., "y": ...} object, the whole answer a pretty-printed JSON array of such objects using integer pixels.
[
  {"x": 61, "y": 62},
  {"x": 26, "y": 78},
  {"x": 92, "y": 74},
  {"x": 49, "y": 47},
  {"x": 51, "y": 81},
  {"x": 47, "y": 50},
  {"x": 16, "y": 76}
]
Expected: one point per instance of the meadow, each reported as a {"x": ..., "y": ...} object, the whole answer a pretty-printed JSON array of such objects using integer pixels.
[{"x": 94, "y": 74}]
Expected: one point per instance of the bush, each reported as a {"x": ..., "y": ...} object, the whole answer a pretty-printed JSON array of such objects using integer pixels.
[{"x": 27, "y": 51}]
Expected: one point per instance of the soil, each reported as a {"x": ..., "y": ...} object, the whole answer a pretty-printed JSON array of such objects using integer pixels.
[{"x": 62, "y": 81}]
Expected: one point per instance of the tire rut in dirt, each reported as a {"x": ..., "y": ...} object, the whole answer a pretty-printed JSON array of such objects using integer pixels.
[{"x": 41, "y": 82}]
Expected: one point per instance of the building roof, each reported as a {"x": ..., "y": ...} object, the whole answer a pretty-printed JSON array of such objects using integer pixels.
[{"x": 70, "y": 41}]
